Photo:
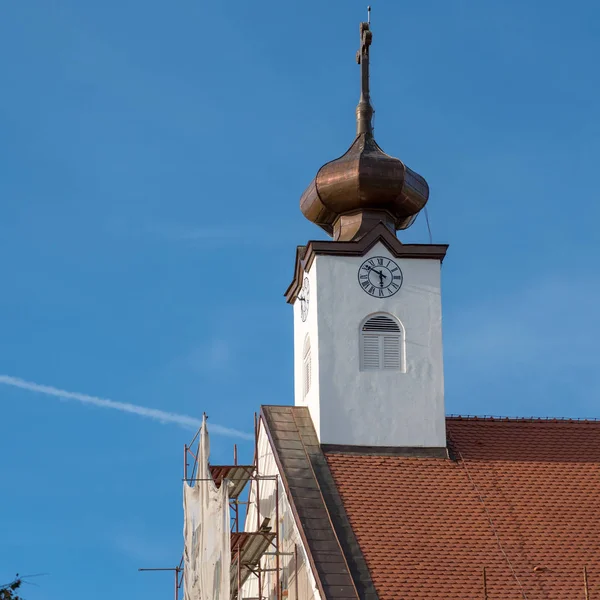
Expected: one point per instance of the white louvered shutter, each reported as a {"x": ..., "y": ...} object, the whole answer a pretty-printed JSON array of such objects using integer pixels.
[
  {"x": 381, "y": 344},
  {"x": 307, "y": 373},
  {"x": 371, "y": 352},
  {"x": 391, "y": 351},
  {"x": 307, "y": 366}
]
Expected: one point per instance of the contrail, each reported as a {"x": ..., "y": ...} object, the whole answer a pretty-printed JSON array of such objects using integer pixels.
[{"x": 151, "y": 413}]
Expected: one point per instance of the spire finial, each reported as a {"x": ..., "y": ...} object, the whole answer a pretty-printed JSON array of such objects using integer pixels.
[
  {"x": 364, "y": 110},
  {"x": 350, "y": 195}
]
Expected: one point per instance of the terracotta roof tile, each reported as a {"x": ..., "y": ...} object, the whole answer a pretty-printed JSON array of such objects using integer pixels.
[{"x": 520, "y": 498}]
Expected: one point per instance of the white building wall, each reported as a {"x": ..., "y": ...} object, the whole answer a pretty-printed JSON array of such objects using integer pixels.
[
  {"x": 301, "y": 330},
  {"x": 297, "y": 577},
  {"x": 374, "y": 408}
]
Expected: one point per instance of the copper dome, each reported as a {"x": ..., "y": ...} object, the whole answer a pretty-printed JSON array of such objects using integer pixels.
[{"x": 365, "y": 186}]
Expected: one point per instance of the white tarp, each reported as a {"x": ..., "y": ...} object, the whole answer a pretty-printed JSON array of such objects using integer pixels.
[{"x": 207, "y": 552}]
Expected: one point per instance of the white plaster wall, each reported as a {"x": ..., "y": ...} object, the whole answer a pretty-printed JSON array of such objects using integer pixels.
[
  {"x": 296, "y": 577},
  {"x": 311, "y": 327},
  {"x": 375, "y": 408}
]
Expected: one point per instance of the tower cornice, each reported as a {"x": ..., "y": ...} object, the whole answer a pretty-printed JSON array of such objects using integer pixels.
[{"x": 305, "y": 255}]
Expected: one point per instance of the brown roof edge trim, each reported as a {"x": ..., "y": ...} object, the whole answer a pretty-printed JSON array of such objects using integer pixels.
[
  {"x": 379, "y": 233},
  {"x": 290, "y": 498},
  {"x": 409, "y": 452},
  {"x": 327, "y": 506},
  {"x": 294, "y": 287},
  {"x": 344, "y": 533}
]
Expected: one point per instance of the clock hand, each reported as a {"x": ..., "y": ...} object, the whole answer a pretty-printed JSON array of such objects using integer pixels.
[
  {"x": 380, "y": 273},
  {"x": 381, "y": 277}
]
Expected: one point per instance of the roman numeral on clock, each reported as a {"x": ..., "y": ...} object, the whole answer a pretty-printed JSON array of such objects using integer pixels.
[{"x": 380, "y": 276}]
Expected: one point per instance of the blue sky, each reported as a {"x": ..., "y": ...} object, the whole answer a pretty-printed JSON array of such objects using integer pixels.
[{"x": 152, "y": 156}]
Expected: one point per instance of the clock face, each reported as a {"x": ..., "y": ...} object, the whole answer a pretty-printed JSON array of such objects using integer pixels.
[
  {"x": 380, "y": 277},
  {"x": 304, "y": 297}
]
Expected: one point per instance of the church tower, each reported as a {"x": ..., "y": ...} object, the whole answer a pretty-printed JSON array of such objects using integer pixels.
[{"x": 367, "y": 308}]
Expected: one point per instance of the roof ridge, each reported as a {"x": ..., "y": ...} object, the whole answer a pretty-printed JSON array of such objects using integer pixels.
[{"x": 458, "y": 417}]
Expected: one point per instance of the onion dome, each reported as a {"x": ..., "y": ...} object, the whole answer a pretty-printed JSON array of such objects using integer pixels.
[{"x": 365, "y": 186}]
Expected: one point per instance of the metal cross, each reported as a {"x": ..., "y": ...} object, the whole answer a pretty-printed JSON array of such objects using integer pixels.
[{"x": 364, "y": 110}]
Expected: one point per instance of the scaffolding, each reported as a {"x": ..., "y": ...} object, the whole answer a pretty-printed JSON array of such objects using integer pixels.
[
  {"x": 247, "y": 547},
  {"x": 250, "y": 548}
]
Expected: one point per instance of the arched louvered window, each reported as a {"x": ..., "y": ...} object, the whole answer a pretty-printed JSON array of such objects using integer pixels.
[
  {"x": 382, "y": 344},
  {"x": 307, "y": 367}
]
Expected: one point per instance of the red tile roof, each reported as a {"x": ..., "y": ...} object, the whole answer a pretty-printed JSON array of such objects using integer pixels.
[{"x": 520, "y": 498}]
